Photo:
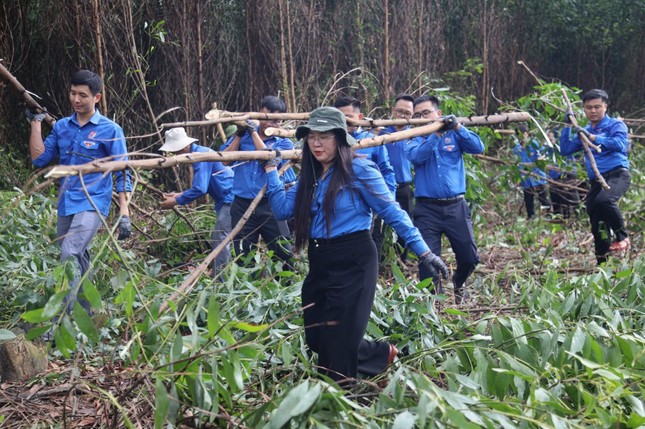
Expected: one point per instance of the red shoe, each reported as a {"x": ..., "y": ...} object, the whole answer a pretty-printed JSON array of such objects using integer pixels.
[
  {"x": 620, "y": 246},
  {"x": 393, "y": 352}
]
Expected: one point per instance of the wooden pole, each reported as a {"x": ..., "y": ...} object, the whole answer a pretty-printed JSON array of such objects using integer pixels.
[{"x": 31, "y": 103}]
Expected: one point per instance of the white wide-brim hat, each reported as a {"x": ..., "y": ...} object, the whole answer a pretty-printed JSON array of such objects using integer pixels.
[{"x": 176, "y": 140}]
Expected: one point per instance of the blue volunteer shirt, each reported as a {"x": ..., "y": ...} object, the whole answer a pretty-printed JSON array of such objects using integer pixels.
[
  {"x": 400, "y": 163},
  {"x": 249, "y": 176},
  {"x": 378, "y": 155},
  {"x": 611, "y": 136},
  {"x": 439, "y": 163},
  {"x": 209, "y": 177},
  {"x": 353, "y": 206},
  {"x": 530, "y": 154},
  {"x": 74, "y": 145}
]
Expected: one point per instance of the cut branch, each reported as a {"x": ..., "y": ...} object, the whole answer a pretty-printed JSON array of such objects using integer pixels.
[{"x": 31, "y": 103}]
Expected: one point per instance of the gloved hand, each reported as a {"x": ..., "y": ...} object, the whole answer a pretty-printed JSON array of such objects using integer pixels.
[
  {"x": 567, "y": 117},
  {"x": 581, "y": 130},
  {"x": 434, "y": 264},
  {"x": 34, "y": 116},
  {"x": 244, "y": 128},
  {"x": 449, "y": 123},
  {"x": 125, "y": 228},
  {"x": 273, "y": 162}
]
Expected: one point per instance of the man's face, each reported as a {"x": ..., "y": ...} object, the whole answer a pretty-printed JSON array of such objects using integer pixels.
[
  {"x": 595, "y": 109},
  {"x": 403, "y": 109},
  {"x": 82, "y": 99},
  {"x": 426, "y": 110},
  {"x": 269, "y": 123},
  {"x": 351, "y": 112}
]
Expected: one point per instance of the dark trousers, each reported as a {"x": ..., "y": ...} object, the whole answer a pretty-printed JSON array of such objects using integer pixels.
[
  {"x": 603, "y": 211},
  {"x": 405, "y": 198},
  {"x": 452, "y": 218},
  {"x": 564, "y": 200},
  {"x": 262, "y": 222},
  {"x": 337, "y": 297},
  {"x": 378, "y": 235},
  {"x": 529, "y": 199}
]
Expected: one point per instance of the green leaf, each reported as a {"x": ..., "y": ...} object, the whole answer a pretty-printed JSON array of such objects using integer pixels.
[
  {"x": 54, "y": 305},
  {"x": 405, "y": 420},
  {"x": 297, "y": 402},
  {"x": 578, "y": 341},
  {"x": 92, "y": 295},
  {"x": 249, "y": 327},
  {"x": 162, "y": 404},
  {"x": 213, "y": 318},
  {"x": 6, "y": 334},
  {"x": 85, "y": 323}
]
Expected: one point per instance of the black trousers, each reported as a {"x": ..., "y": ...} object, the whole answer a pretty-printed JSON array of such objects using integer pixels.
[
  {"x": 261, "y": 222},
  {"x": 564, "y": 200},
  {"x": 529, "y": 199},
  {"x": 337, "y": 297},
  {"x": 452, "y": 218},
  {"x": 603, "y": 211}
]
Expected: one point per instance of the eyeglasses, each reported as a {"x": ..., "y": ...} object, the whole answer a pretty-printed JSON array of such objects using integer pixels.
[
  {"x": 322, "y": 138},
  {"x": 405, "y": 114},
  {"x": 423, "y": 114}
]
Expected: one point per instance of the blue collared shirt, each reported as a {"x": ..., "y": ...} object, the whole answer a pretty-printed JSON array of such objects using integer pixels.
[
  {"x": 611, "y": 136},
  {"x": 74, "y": 145},
  {"x": 209, "y": 177},
  {"x": 400, "y": 163},
  {"x": 530, "y": 154},
  {"x": 249, "y": 175},
  {"x": 379, "y": 156},
  {"x": 439, "y": 163},
  {"x": 353, "y": 208}
]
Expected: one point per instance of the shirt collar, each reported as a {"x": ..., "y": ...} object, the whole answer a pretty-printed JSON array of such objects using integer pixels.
[{"x": 96, "y": 117}]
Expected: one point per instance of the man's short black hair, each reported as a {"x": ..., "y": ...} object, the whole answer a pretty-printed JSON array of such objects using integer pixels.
[
  {"x": 89, "y": 78},
  {"x": 522, "y": 127},
  {"x": 347, "y": 101},
  {"x": 431, "y": 98},
  {"x": 273, "y": 104},
  {"x": 595, "y": 93},
  {"x": 406, "y": 97}
]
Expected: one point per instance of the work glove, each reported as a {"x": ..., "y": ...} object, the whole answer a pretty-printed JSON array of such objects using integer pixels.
[
  {"x": 434, "y": 264},
  {"x": 273, "y": 162},
  {"x": 581, "y": 130},
  {"x": 567, "y": 117},
  {"x": 245, "y": 127},
  {"x": 449, "y": 123},
  {"x": 34, "y": 116},
  {"x": 125, "y": 228}
]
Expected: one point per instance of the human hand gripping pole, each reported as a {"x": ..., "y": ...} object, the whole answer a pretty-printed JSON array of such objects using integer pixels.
[
  {"x": 35, "y": 116},
  {"x": 450, "y": 123},
  {"x": 273, "y": 162},
  {"x": 434, "y": 264}
]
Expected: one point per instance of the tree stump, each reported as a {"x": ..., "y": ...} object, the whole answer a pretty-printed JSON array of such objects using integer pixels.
[{"x": 20, "y": 359}]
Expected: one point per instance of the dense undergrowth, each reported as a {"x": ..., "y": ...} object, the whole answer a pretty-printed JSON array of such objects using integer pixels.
[{"x": 546, "y": 340}]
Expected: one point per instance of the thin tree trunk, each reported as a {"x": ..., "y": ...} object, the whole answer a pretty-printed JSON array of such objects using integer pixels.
[
  {"x": 420, "y": 44},
  {"x": 200, "y": 65},
  {"x": 386, "y": 41},
  {"x": 283, "y": 58},
  {"x": 292, "y": 67},
  {"x": 485, "y": 74},
  {"x": 249, "y": 51},
  {"x": 78, "y": 37},
  {"x": 98, "y": 35}
]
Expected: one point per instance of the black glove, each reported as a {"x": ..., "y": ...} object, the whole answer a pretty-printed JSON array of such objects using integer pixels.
[
  {"x": 567, "y": 117},
  {"x": 449, "y": 123},
  {"x": 581, "y": 130},
  {"x": 273, "y": 162},
  {"x": 244, "y": 128},
  {"x": 34, "y": 116},
  {"x": 434, "y": 264},
  {"x": 125, "y": 228}
]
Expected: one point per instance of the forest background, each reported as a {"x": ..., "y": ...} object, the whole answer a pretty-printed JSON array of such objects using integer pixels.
[{"x": 548, "y": 339}]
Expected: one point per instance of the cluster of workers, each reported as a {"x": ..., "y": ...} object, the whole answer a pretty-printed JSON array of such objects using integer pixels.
[{"x": 335, "y": 208}]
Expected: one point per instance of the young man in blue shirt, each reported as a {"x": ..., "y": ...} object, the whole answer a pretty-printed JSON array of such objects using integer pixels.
[
  {"x": 440, "y": 185},
  {"x": 249, "y": 179},
  {"x": 533, "y": 179},
  {"x": 613, "y": 164},
  {"x": 82, "y": 205},
  {"x": 351, "y": 108},
  {"x": 208, "y": 177}
]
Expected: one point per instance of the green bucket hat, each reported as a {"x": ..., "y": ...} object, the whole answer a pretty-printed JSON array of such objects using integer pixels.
[{"x": 326, "y": 119}]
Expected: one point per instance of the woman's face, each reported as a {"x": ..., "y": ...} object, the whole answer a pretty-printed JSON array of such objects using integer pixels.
[{"x": 322, "y": 146}]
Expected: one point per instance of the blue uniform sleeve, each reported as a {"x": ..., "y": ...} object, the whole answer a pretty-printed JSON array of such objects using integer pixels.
[
  {"x": 372, "y": 188},
  {"x": 419, "y": 149},
  {"x": 201, "y": 180},
  {"x": 469, "y": 141},
  {"x": 118, "y": 150},
  {"x": 384, "y": 165},
  {"x": 282, "y": 202},
  {"x": 51, "y": 149},
  {"x": 616, "y": 139},
  {"x": 569, "y": 145}
]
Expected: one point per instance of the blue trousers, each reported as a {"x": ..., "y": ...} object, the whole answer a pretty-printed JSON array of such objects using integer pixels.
[{"x": 452, "y": 218}]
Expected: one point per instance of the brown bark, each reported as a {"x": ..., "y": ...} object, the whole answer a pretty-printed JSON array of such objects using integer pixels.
[
  {"x": 98, "y": 37},
  {"x": 31, "y": 103},
  {"x": 200, "y": 64}
]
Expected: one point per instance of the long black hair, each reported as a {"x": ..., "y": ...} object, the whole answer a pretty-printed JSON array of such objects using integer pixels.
[{"x": 342, "y": 175}]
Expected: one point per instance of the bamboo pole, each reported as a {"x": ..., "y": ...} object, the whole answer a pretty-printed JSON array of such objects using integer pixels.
[
  {"x": 188, "y": 284},
  {"x": 586, "y": 144},
  {"x": 223, "y": 116},
  {"x": 31, "y": 103}
]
